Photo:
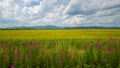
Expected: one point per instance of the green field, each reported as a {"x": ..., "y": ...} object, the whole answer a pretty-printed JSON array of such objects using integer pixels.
[
  {"x": 59, "y": 34},
  {"x": 85, "y": 48}
]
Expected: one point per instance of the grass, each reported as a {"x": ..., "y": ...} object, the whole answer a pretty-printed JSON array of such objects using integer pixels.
[{"x": 60, "y": 48}]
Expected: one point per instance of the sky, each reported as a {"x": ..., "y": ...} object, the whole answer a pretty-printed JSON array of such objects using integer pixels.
[{"x": 14, "y": 13}]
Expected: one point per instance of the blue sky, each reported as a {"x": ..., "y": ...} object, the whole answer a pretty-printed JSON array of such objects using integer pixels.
[{"x": 59, "y": 12}]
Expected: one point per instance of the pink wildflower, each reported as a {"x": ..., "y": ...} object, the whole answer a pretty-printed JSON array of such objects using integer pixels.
[
  {"x": 111, "y": 49},
  {"x": 85, "y": 46},
  {"x": 6, "y": 51},
  {"x": 21, "y": 55},
  {"x": 69, "y": 55},
  {"x": 97, "y": 47},
  {"x": 114, "y": 41},
  {"x": 12, "y": 66},
  {"x": 108, "y": 42},
  {"x": 28, "y": 55},
  {"x": 60, "y": 62},
  {"x": 31, "y": 47},
  {"x": 19, "y": 62},
  {"x": 91, "y": 44}
]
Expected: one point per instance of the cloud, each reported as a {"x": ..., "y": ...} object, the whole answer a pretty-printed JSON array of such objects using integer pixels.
[
  {"x": 77, "y": 19},
  {"x": 87, "y": 7},
  {"x": 96, "y": 13},
  {"x": 59, "y": 12}
]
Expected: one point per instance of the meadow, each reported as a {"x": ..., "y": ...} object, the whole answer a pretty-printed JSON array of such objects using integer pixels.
[{"x": 85, "y": 48}]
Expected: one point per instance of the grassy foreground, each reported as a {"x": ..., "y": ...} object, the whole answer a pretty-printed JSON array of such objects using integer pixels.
[{"x": 59, "y": 49}]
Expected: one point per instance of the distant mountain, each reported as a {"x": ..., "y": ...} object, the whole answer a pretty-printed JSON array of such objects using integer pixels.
[
  {"x": 45, "y": 27},
  {"x": 57, "y": 27},
  {"x": 34, "y": 27},
  {"x": 92, "y": 27}
]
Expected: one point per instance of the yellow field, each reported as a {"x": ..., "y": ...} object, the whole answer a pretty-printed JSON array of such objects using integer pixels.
[{"x": 58, "y": 34}]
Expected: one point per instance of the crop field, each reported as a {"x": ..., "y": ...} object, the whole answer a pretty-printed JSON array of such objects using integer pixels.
[
  {"x": 59, "y": 34},
  {"x": 85, "y": 48}
]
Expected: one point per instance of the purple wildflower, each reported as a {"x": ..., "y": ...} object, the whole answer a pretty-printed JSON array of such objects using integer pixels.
[
  {"x": 97, "y": 47},
  {"x": 19, "y": 62},
  {"x": 108, "y": 42},
  {"x": 31, "y": 47},
  {"x": 60, "y": 62},
  {"x": 91, "y": 44},
  {"x": 21, "y": 55},
  {"x": 6, "y": 51},
  {"x": 28, "y": 55},
  {"x": 85, "y": 46},
  {"x": 111, "y": 49},
  {"x": 12, "y": 66},
  {"x": 35, "y": 43},
  {"x": 114, "y": 41},
  {"x": 69, "y": 55}
]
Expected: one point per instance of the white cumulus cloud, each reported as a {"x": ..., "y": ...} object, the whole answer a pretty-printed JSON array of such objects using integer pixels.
[{"x": 59, "y": 12}]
